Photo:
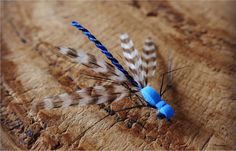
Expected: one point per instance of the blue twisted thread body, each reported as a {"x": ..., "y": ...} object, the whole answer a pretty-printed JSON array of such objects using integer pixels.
[{"x": 104, "y": 50}]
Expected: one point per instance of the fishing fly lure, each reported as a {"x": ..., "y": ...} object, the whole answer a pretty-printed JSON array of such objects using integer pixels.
[{"x": 121, "y": 83}]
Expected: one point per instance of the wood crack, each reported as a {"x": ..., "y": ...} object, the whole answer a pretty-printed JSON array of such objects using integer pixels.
[{"x": 204, "y": 146}]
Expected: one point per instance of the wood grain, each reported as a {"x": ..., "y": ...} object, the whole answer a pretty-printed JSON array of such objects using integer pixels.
[{"x": 201, "y": 35}]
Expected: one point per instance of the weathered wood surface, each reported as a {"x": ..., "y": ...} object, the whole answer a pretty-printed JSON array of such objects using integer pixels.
[{"x": 201, "y": 34}]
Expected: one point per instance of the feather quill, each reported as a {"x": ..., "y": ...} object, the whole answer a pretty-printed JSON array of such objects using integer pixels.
[{"x": 170, "y": 68}]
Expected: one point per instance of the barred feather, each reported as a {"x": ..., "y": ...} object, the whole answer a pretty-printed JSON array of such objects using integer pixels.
[
  {"x": 132, "y": 58},
  {"x": 90, "y": 95},
  {"x": 148, "y": 57},
  {"x": 61, "y": 100},
  {"x": 97, "y": 65}
]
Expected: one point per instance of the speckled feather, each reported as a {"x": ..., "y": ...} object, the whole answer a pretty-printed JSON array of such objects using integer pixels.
[
  {"x": 85, "y": 96},
  {"x": 105, "y": 93},
  {"x": 95, "y": 64}
]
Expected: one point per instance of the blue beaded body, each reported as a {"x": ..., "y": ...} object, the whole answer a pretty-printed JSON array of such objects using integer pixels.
[{"x": 154, "y": 100}]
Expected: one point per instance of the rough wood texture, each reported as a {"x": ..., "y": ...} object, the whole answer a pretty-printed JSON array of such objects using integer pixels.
[{"x": 201, "y": 34}]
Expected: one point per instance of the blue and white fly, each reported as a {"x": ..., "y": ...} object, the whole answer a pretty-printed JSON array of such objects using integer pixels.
[{"x": 119, "y": 82}]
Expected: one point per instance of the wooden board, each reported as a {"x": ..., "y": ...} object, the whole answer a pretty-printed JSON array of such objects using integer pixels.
[{"x": 200, "y": 34}]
